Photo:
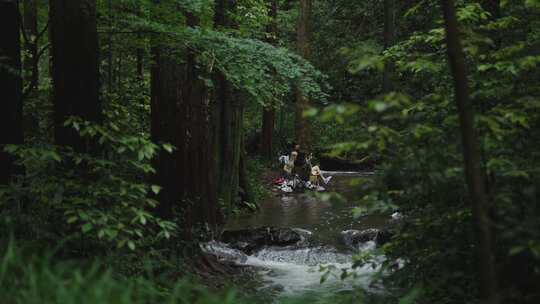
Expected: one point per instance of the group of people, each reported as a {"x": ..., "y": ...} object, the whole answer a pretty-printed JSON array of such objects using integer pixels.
[{"x": 299, "y": 173}]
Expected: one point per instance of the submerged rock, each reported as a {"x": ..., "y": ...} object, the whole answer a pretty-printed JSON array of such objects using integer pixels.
[
  {"x": 356, "y": 238},
  {"x": 251, "y": 240}
]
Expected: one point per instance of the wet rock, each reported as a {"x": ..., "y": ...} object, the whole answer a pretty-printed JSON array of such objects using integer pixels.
[
  {"x": 356, "y": 238},
  {"x": 224, "y": 252},
  {"x": 250, "y": 240},
  {"x": 305, "y": 234}
]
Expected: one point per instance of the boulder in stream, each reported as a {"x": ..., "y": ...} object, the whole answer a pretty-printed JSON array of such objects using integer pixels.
[
  {"x": 356, "y": 238},
  {"x": 251, "y": 240}
]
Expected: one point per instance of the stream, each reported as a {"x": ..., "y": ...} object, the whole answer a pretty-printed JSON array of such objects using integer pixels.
[{"x": 294, "y": 271}]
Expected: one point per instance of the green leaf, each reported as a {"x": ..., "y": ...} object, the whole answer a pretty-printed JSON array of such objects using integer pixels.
[
  {"x": 140, "y": 155},
  {"x": 517, "y": 250},
  {"x": 86, "y": 227},
  {"x": 131, "y": 245},
  {"x": 311, "y": 112},
  {"x": 168, "y": 147},
  {"x": 156, "y": 189}
]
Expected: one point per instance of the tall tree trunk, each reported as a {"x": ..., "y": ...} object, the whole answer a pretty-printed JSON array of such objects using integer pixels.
[
  {"x": 247, "y": 192},
  {"x": 303, "y": 132},
  {"x": 194, "y": 142},
  {"x": 110, "y": 78},
  {"x": 165, "y": 79},
  {"x": 11, "y": 130},
  {"x": 269, "y": 113},
  {"x": 75, "y": 56},
  {"x": 389, "y": 29},
  {"x": 31, "y": 67},
  {"x": 228, "y": 117},
  {"x": 472, "y": 159}
]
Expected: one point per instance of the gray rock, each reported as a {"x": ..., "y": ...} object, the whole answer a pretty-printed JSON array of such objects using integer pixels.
[
  {"x": 251, "y": 240},
  {"x": 355, "y": 238}
]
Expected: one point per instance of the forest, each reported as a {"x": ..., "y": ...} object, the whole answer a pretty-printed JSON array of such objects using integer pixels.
[{"x": 175, "y": 151}]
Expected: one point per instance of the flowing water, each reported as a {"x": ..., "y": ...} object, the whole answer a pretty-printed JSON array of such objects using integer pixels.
[{"x": 293, "y": 272}]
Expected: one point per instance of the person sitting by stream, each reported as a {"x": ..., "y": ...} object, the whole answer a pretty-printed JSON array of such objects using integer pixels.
[
  {"x": 288, "y": 181},
  {"x": 288, "y": 168},
  {"x": 317, "y": 177},
  {"x": 301, "y": 167}
]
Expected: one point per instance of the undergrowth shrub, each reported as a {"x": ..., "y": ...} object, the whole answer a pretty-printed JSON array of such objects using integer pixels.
[{"x": 38, "y": 278}]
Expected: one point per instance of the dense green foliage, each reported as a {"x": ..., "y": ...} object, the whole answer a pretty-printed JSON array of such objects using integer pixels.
[
  {"x": 32, "y": 278},
  {"x": 416, "y": 133},
  {"x": 101, "y": 203}
]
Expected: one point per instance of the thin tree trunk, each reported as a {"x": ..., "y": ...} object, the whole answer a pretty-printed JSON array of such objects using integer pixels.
[
  {"x": 110, "y": 78},
  {"x": 303, "y": 132},
  {"x": 244, "y": 180},
  {"x": 140, "y": 62},
  {"x": 269, "y": 113},
  {"x": 140, "y": 53},
  {"x": 31, "y": 67},
  {"x": 389, "y": 29},
  {"x": 75, "y": 55},
  {"x": 119, "y": 72},
  {"x": 11, "y": 130},
  {"x": 472, "y": 159},
  {"x": 267, "y": 142}
]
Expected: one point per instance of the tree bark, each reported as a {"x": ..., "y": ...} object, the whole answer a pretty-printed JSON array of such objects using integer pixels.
[
  {"x": 269, "y": 113},
  {"x": 194, "y": 142},
  {"x": 165, "y": 79},
  {"x": 389, "y": 32},
  {"x": 228, "y": 122},
  {"x": 11, "y": 127},
  {"x": 31, "y": 66},
  {"x": 247, "y": 192},
  {"x": 110, "y": 78},
  {"x": 303, "y": 132},
  {"x": 75, "y": 56},
  {"x": 472, "y": 160}
]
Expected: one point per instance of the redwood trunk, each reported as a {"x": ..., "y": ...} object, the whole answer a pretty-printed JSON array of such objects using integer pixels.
[
  {"x": 11, "y": 130},
  {"x": 164, "y": 95},
  {"x": 195, "y": 158},
  {"x": 472, "y": 160},
  {"x": 269, "y": 113},
  {"x": 303, "y": 132},
  {"x": 75, "y": 67},
  {"x": 228, "y": 125}
]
